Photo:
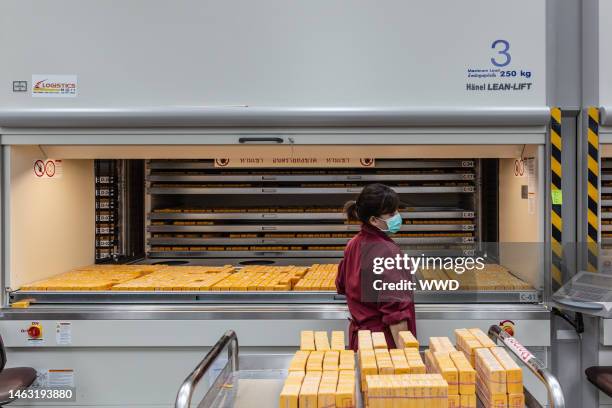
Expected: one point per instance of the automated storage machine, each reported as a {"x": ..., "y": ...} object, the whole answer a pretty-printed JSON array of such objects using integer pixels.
[
  {"x": 595, "y": 210},
  {"x": 229, "y": 134}
]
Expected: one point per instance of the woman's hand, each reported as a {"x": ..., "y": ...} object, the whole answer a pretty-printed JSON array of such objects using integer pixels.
[{"x": 395, "y": 329}]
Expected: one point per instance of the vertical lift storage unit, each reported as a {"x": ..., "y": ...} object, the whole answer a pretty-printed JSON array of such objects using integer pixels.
[
  {"x": 595, "y": 209},
  {"x": 218, "y": 79}
]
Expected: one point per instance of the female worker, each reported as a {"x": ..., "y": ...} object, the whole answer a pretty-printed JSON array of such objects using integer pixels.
[{"x": 390, "y": 312}]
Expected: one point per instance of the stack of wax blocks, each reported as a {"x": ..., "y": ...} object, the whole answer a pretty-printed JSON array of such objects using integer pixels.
[{"x": 321, "y": 375}]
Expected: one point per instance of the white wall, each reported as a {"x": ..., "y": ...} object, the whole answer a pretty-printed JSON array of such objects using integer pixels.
[{"x": 51, "y": 222}]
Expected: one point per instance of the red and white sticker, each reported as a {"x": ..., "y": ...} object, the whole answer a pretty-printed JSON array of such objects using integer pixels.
[
  {"x": 519, "y": 349},
  {"x": 48, "y": 169}
]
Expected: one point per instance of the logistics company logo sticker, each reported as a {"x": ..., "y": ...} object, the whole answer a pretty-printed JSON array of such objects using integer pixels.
[{"x": 54, "y": 86}]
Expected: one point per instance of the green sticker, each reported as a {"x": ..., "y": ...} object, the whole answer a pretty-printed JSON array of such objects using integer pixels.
[{"x": 557, "y": 197}]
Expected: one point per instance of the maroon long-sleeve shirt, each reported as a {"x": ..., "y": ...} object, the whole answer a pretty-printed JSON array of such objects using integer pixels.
[{"x": 371, "y": 310}]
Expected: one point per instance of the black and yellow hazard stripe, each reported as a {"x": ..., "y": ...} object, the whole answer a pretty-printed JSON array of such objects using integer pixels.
[
  {"x": 556, "y": 174},
  {"x": 592, "y": 189}
]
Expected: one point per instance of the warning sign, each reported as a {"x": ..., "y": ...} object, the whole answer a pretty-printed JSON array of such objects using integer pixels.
[
  {"x": 48, "y": 169},
  {"x": 63, "y": 333}
]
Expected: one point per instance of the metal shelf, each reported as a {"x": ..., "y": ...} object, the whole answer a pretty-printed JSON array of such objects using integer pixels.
[
  {"x": 292, "y": 254},
  {"x": 198, "y": 184},
  {"x": 300, "y": 215},
  {"x": 245, "y": 254},
  {"x": 411, "y": 164},
  {"x": 309, "y": 178},
  {"x": 299, "y": 241},
  {"x": 300, "y": 228},
  {"x": 301, "y": 190},
  {"x": 260, "y": 297}
]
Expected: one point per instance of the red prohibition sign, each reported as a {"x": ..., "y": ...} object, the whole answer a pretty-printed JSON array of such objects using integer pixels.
[
  {"x": 50, "y": 168},
  {"x": 39, "y": 168}
]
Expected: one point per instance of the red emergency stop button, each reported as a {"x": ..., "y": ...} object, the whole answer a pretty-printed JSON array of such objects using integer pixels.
[
  {"x": 507, "y": 326},
  {"x": 34, "y": 332}
]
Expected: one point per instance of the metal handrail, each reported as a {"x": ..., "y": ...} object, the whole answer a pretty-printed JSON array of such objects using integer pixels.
[
  {"x": 185, "y": 393},
  {"x": 555, "y": 394}
]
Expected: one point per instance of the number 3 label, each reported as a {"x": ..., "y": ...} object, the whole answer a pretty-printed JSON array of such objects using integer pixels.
[{"x": 505, "y": 47}]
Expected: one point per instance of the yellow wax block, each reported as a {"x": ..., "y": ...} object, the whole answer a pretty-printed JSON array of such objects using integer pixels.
[
  {"x": 514, "y": 373},
  {"x": 408, "y": 340},
  {"x": 433, "y": 392},
  {"x": 490, "y": 371},
  {"x": 447, "y": 369},
  {"x": 516, "y": 400},
  {"x": 397, "y": 391},
  {"x": 471, "y": 346},
  {"x": 364, "y": 339},
  {"x": 415, "y": 361},
  {"x": 309, "y": 390},
  {"x": 347, "y": 360},
  {"x": 441, "y": 344},
  {"x": 22, "y": 304},
  {"x": 321, "y": 341},
  {"x": 428, "y": 392},
  {"x": 489, "y": 397},
  {"x": 468, "y": 400},
  {"x": 416, "y": 383},
  {"x": 454, "y": 401},
  {"x": 298, "y": 362},
  {"x": 345, "y": 395},
  {"x": 289, "y": 396},
  {"x": 410, "y": 393},
  {"x": 367, "y": 365},
  {"x": 400, "y": 392},
  {"x": 400, "y": 364},
  {"x": 315, "y": 361},
  {"x": 443, "y": 393},
  {"x": 295, "y": 377},
  {"x": 378, "y": 340},
  {"x": 337, "y": 340},
  {"x": 331, "y": 360},
  {"x": 291, "y": 389},
  {"x": 467, "y": 343},
  {"x": 430, "y": 363},
  {"x": 388, "y": 392},
  {"x": 498, "y": 400},
  {"x": 326, "y": 397},
  {"x": 383, "y": 361},
  {"x": 467, "y": 375},
  {"x": 482, "y": 338},
  {"x": 307, "y": 342},
  {"x": 373, "y": 387}
]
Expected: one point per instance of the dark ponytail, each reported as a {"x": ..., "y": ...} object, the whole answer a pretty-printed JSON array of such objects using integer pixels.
[
  {"x": 350, "y": 209},
  {"x": 373, "y": 201}
]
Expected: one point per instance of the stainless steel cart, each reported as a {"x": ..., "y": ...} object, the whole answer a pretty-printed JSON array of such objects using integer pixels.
[{"x": 256, "y": 381}]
